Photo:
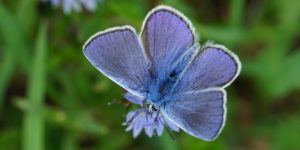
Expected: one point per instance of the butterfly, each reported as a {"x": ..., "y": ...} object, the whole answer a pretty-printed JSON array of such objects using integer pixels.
[{"x": 166, "y": 66}]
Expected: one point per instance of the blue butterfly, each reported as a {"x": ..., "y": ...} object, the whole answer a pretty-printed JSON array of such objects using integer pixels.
[{"x": 166, "y": 66}]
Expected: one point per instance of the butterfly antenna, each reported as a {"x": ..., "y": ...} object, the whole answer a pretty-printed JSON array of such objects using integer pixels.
[{"x": 168, "y": 130}]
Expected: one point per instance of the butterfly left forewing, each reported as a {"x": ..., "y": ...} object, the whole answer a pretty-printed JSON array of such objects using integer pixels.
[{"x": 117, "y": 53}]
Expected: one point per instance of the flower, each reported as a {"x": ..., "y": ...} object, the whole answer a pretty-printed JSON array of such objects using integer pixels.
[
  {"x": 152, "y": 122},
  {"x": 75, "y": 5}
]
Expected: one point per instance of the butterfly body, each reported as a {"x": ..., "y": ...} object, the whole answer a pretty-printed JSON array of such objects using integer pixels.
[{"x": 161, "y": 88}]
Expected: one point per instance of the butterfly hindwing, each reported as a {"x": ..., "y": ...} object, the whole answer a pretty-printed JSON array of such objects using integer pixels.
[{"x": 201, "y": 114}]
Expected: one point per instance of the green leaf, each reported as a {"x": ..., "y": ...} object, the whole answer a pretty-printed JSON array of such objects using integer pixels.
[
  {"x": 236, "y": 16},
  {"x": 27, "y": 13},
  {"x": 15, "y": 49},
  {"x": 14, "y": 37},
  {"x": 7, "y": 69},
  {"x": 33, "y": 127}
]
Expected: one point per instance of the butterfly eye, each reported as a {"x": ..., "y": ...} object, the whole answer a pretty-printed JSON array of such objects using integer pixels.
[
  {"x": 151, "y": 108},
  {"x": 154, "y": 108}
]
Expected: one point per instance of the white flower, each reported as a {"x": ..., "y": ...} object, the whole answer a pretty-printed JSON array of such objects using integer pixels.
[{"x": 76, "y": 5}]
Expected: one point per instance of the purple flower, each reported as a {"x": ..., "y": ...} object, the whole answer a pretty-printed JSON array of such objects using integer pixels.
[
  {"x": 151, "y": 121},
  {"x": 75, "y": 5}
]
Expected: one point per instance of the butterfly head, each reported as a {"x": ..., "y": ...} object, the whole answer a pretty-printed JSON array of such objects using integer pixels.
[{"x": 151, "y": 108}]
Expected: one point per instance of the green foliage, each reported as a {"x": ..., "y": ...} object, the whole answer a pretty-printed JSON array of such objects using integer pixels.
[
  {"x": 33, "y": 127},
  {"x": 16, "y": 49},
  {"x": 52, "y": 98}
]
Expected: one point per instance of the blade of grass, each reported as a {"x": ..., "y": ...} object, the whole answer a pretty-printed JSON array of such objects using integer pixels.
[
  {"x": 69, "y": 141},
  {"x": 14, "y": 37},
  {"x": 168, "y": 143},
  {"x": 7, "y": 69},
  {"x": 220, "y": 34},
  {"x": 27, "y": 13},
  {"x": 33, "y": 125},
  {"x": 236, "y": 14},
  {"x": 15, "y": 46}
]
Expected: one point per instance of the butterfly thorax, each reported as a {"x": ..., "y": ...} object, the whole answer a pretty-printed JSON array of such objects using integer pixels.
[
  {"x": 164, "y": 79},
  {"x": 159, "y": 90}
]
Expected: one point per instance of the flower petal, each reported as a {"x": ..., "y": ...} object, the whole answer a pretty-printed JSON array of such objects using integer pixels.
[
  {"x": 159, "y": 128},
  {"x": 130, "y": 116},
  {"x": 138, "y": 123},
  {"x": 149, "y": 130},
  {"x": 151, "y": 122},
  {"x": 128, "y": 128},
  {"x": 90, "y": 5}
]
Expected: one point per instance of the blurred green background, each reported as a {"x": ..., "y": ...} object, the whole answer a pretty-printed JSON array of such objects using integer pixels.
[{"x": 51, "y": 98}]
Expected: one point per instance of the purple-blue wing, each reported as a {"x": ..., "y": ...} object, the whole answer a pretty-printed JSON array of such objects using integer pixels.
[
  {"x": 118, "y": 54},
  {"x": 201, "y": 114},
  {"x": 134, "y": 98},
  {"x": 213, "y": 67},
  {"x": 166, "y": 35}
]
